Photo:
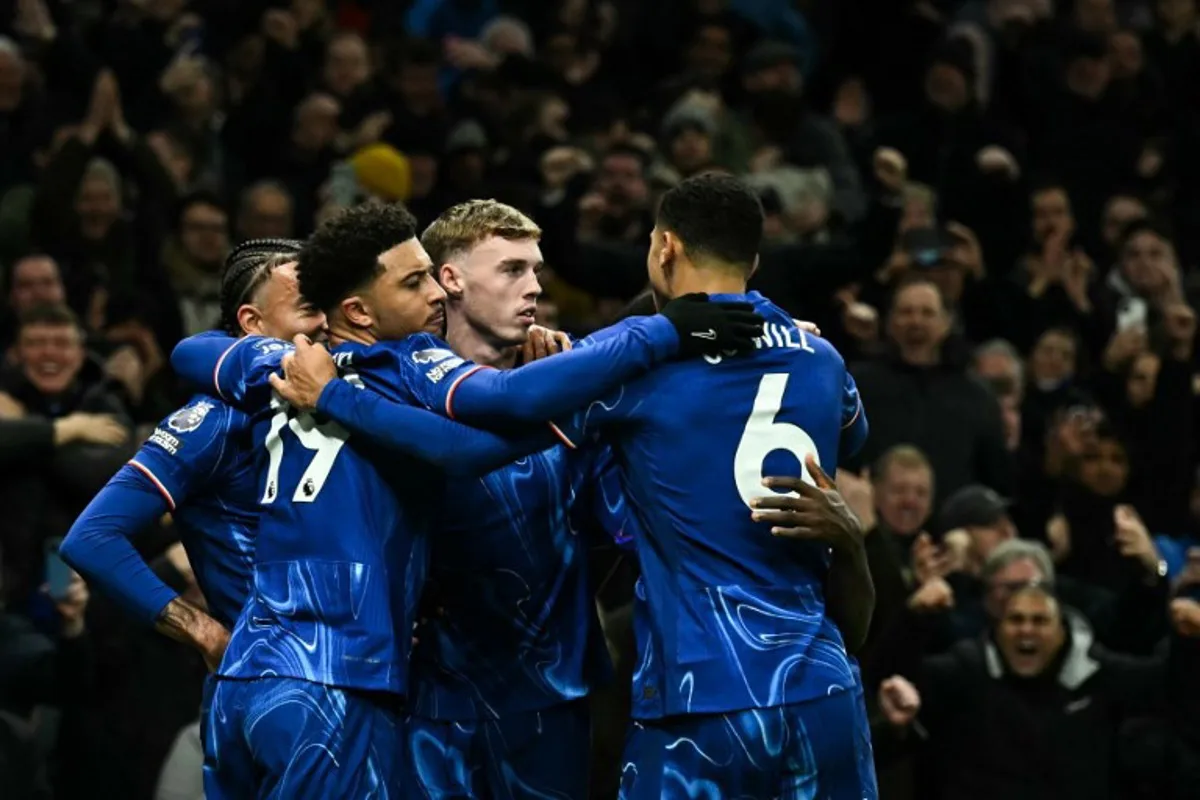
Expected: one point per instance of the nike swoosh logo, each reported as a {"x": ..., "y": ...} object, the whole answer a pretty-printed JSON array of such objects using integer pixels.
[{"x": 709, "y": 334}]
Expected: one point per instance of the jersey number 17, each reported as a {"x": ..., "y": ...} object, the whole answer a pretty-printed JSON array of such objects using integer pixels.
[{"x": 325, "y": 440}]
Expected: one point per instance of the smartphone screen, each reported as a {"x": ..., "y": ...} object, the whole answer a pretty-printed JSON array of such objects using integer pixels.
[
  {"x": 58, "y": 574},
  {"x": 1131, "y": 313}
]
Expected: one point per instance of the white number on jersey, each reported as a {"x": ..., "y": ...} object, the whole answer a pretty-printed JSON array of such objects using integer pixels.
[
  {"x": 325, "y": 440},
  {"x": 764, "y": 435}
]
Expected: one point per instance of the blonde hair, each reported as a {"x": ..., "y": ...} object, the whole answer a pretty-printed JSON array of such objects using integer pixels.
[
  {"x": 902, "y": 456},
  {"x": 465, "y": 225}
]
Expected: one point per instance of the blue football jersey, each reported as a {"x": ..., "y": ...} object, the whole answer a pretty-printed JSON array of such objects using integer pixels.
[
  {"x": 203, "y": 461},
  {"x": 514, "y": 627},
  {"x": 287, "y": 613},
  {"x": 340, "y": 555},
  {"x": 728, "y": 616}
]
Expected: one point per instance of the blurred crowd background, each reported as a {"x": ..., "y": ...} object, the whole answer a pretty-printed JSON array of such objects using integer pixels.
[{"x": 992, "y": 208}]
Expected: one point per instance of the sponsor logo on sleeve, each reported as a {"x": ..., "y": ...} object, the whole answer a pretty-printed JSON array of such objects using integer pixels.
[
  {"x": 165, "y": 440},
  {"x": 443, "y": 369},
  {"x": 187, "y": 419},
  {"x": 433, "y": 356},
  {"x": 266, "y": 346}
]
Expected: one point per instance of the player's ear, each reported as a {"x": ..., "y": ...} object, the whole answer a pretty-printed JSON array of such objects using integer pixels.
[
  {"x": 669, "y": 253},
  {"x": 250, "y": 319},
  {"x": 357, "y": 312},
  {"x": 753, "y": 268},
  {"x": 451, "y": 279}
]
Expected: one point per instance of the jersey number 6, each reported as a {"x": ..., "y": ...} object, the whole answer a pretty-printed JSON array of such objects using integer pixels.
[{"x": 763, "y": 435}]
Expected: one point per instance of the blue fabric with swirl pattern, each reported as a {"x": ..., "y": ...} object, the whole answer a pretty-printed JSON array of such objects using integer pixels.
[
  {"x": 728, "y": 618},
  {"x": 818, "y": 750},
  {"x": 517, "y": 630},
  {"x": 505, "y": 662},
  {"x": 287, "y": 739}
]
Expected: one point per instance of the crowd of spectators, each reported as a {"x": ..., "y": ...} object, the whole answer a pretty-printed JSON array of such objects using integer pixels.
[{"x": 989, "y": 206}]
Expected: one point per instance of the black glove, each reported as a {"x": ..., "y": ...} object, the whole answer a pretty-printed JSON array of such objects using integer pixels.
[{"x": 707, "y": 328}]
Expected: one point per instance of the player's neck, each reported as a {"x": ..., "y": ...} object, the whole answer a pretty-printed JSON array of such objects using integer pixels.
[
  {"x": 471, "y": 343},
  {"x": 707, "y": 281},
  {"x": 340, "y": 333}
]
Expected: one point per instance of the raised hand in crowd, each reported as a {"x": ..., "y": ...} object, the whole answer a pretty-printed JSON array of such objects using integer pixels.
[
  {"x": 1185, "y": 607},
  {"x": 1124, "y": 346},
  {"x": 899, "y": 701},
  {"x": 859, "y": 494},
  {"x": 1133, "y": 540},
  {"x": 1179, "y": 324}
]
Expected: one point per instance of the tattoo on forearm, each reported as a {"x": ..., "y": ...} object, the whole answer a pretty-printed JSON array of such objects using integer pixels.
[{"x": 181, "y": 621}]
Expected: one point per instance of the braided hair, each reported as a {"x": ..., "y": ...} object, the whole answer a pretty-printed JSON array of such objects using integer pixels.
[{"x": 247, "y": 268}]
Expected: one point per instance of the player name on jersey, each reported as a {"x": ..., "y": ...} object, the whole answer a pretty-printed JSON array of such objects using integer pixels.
[{"x": 774, "y": 335}]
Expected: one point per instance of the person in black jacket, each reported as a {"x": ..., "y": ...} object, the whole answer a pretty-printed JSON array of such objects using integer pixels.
[
  {"x": 66, "y": 433},
  {"x": 922, "y": 395},
  {"x": 1033, "y": 710}
]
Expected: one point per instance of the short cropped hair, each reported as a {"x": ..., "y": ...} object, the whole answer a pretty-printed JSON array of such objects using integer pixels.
[
  {"x": 918, "y": 279},
  {"x": 342, "y": 256},
  {"x": 904, "y": 456},
  {"x": 715, "y": 216},
  {"x": 50, "y": 314},
  {"x": 247, "y": 268},
  {"x": 465, "y": 225}
]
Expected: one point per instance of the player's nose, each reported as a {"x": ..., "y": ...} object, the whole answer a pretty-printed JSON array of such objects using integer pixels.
[
  {"x": 532, "y": 287},
  {"x": 435, "y": 294}
]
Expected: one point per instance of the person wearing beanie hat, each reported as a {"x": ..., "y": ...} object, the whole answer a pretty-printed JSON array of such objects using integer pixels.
[
  {"x": 383, "y": 171},
  {"x": 688, "y": 131}
]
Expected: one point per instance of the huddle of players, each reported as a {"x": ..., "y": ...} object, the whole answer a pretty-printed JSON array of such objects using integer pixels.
[{"x": 312, "y": 507}]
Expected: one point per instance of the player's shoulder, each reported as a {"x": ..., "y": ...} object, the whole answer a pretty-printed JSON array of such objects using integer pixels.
[
  {"x": 425, "y": 349},
  {"x": 398, "y": 368},
  {"x": 200, "y": 414},
  {"x": 418, "y": 348},
  {"x": 195, "y": 428},
  {"x": 419, "y": 353},
  {"x": 264, "y": 345},
  {"x": 784, "y": 337},
  {"x": 616, "y": 329},
  {"x": 824, "y": 348}
]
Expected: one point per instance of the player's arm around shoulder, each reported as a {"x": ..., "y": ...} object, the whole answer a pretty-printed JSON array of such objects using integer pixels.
[
  {"x": 816, "y": 511},
  {"x": 233, "y": 369}
]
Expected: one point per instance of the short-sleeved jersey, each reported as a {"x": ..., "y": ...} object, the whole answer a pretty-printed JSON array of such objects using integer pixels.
[
  {"x": 340, "y": 557},
  {"x": 728, "y": 616},
  {"x": 203, "y": 461}
]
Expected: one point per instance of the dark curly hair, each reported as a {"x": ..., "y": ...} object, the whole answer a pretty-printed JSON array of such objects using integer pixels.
[
  {"x": 247, "y": 268},
  {"x": 342, "y": 256}
]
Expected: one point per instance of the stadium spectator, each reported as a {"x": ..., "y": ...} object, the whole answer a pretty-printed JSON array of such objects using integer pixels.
[{"x": 990, "y": 207}]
